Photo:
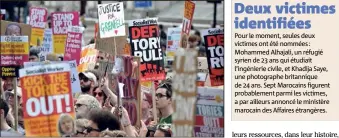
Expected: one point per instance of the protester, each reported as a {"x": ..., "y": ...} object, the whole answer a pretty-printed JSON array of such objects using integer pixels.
[
  {"x": 163, "y": 130},
  {"x": 66, "y": 125},
  {"x": 34, "y": 54},
  {"x": 87, "y": 82},
  {"x": 164, "y": 101},
  {"x": 84, "y": 104},
  {"x": 9, "y": 96},
  {"x": 100, "y": 120},
  {"x": 4, "y": 110},
  {"x": 80, "y": 127},
  {"x": 21, "y": 127},
  {"x": 8, "y": 83},
  {"x": 146, "y": 105}
]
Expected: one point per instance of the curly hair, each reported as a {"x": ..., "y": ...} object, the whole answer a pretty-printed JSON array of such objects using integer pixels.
[
  {"x": 104, "y": 119},
  {"x": 115, "y": 133}
]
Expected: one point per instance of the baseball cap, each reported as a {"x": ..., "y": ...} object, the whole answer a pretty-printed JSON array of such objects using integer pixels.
[{"x": 90, "y": 76}]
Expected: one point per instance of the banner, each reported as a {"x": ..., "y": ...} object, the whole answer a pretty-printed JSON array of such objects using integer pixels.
[
  {"x": 173, "y": 39},
  {"x": 14, "y": 52},
  {"x": 74, "y": 77},
  {"x": 111, "y": 20},
  {"x": 47, "y": 99},
  {"x": 127, "y": 68},
  {"x": 209, "y": 115},
  {"x": 47, "y": 44},
  {"x": 214, "y": 40},
  {"x": 145, "y": 43},
  {"x": 88, "y": 58},
  {"x": 187, "y": 23},
  {"x": 37, "y": 19},
  {"x": 73, "y": 43},
  {"x": 14, "y": 28},
  {"x": 3, "y": 14},
  {"x": 184, "y": 92},
  {"x": 60, "y": 23}
]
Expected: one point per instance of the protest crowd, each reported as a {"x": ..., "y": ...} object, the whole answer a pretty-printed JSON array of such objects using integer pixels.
[{"x": 122, "y": 83}]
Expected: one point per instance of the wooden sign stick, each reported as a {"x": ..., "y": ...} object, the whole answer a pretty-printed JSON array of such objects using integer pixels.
[
  {"x": 154, "y": 110},
  {"x": 15, "y": 105}
]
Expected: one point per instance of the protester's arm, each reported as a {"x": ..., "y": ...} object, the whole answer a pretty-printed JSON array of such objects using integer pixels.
[
  {"x": 108, "y": 92},
  {"x": 126, "y": 123},
  {"x": 143, "y": 129}
]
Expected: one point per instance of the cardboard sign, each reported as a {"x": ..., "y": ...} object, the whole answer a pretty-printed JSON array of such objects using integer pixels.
[
  {"x": 17, "y": 29},
  {"x": 74, "y": 77},
  {"x": 37, "y": 19},
  {"x": 209, "y": 117},
  {"x": 88, "y": 58},
  {"x": 3, "y": 14},
  {"x": 184, "y": 92},
  {"x": 111, "y": 20},
  {"x": 108, "y": 44},
  {"x": 202, "y": 71},
  {"x": 173, "y": 39},
  {"x": 145, "y": 43},
  {"x": 127, "y": 68},
  {"x": 187, "y": 23},
  {"x": 47, "y": 98},
  {"x": 60, "y": 23},
  {"x": 47, "y": 44},
  {"x": 102, "y": 67},
  {"x": 73, "y": 43},
  {"x": 14, "y": 52},
  {"x": 214, "y": 39}
]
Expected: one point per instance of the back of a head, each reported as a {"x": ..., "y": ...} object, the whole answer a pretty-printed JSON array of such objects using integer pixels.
[
  {"x": 34, "y": 51},
  {"x": 88, "y": 100},
  {"x": 104, "y": 119},
  {"x": 114, "y": 133}
]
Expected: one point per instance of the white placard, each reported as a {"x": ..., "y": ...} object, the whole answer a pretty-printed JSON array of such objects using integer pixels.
[{"x": 111, "y": 20}]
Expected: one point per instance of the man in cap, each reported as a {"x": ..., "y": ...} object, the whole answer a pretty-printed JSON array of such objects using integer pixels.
[{"x": 88, "y": 81}]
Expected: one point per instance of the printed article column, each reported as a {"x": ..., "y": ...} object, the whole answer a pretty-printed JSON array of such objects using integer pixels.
[{"x": 284, "y": 60}]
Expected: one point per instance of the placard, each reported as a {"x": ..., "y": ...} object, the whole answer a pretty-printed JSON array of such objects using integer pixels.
[
  {"x": 127, "y": 68},
  {"x": 107, "y": 44},
  {"x": 14, "y": 52},
  {"x": 209, "y": 118},
  {"x": 74, "y": 77},
  {"x": 214, "y": 39},
  {"x": 60, "y": 23},
  {"x": 187, "y": 23},
  {"x": 47, "y": 44},
  {"x": 202, "y": 71},
  {"x": 173, "y": 42},
  {"x": 14, "y": 28},
  {"x": 111, "y": 20},
  {"x": 88, "y": 58},
  {"x": 145, "y": 43},
  {"x": 184, "y": 92},
  {"x": 37, "y": 19},
  {"x": 73, "y": 43},
  {"x": 47, "y": 99}
]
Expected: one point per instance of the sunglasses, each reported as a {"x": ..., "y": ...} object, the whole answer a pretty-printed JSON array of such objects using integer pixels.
[
  {"x": 90, "y": 129},
  {"x": 164, "y": 84},
  {"x": 85, "y": 79},
  {"x": 99, "y": 94},
  {"x": 79, "y": 105},
  {"x": 99, "y": 57},
  {"x": 159, "y": 95},
  {"x": 79, "y": 132}
]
